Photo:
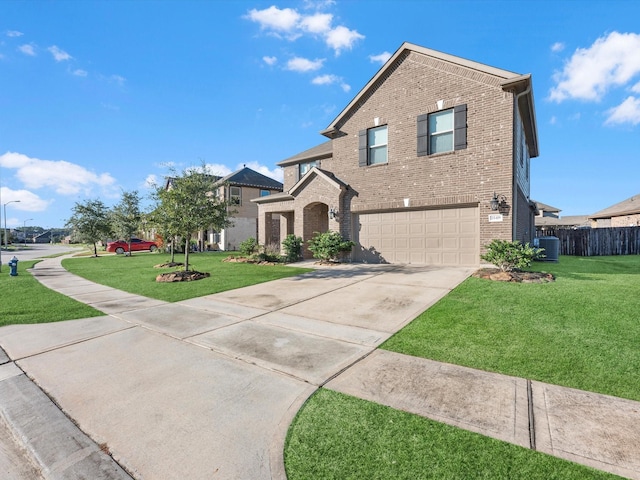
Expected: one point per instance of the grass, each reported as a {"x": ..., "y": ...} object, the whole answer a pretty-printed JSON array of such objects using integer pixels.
[
  {"x": 136, "y": 274},
  {"x": 335, "y": 436},
  {"x": 25, "y": 300},
  {"x": 580, "y": 331}
]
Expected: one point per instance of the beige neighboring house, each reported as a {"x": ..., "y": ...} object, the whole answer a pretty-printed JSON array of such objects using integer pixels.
[
  {"x": 623, "y": 214},
  {"x": 548, "y": 218},
  {"x": 427, "y": 164},
  {"x": 239, "y": 188}
]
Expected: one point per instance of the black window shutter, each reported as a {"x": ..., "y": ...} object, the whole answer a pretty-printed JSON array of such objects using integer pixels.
[
  {"x": 362, "y": 148},
  {"x": 460, "y": 127},
  {"x": 423, "y": 135}
]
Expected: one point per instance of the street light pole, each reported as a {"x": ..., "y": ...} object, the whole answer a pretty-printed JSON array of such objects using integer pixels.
[
  {"x": 24, "y": 230},
  {"x": 6, "y": 242}
]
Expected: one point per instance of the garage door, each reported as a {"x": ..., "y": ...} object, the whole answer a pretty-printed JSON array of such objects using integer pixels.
[{"x": 435, "y": 237}]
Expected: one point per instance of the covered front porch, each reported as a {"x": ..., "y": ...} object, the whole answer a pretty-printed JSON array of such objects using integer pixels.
[{"x": 313, "y": 205}]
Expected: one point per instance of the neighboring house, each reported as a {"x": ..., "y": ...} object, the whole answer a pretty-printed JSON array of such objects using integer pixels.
[
  {"x": 44, "y": 237},
  {"x": 239, "y": 188},
  {"x": 623, "y": 214},
  {"x": 548, "y": 219},
  {"x": 427, "y": 164}
]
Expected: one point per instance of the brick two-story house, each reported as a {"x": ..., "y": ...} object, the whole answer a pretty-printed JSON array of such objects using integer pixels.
[{"x": 427, "y": 164}]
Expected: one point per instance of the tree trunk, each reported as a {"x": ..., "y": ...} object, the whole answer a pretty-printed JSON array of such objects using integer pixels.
[
  {"x": 173, "y": 250},
  {"x": 95, "y": 249},
  {"x": 186, "y": 254}
]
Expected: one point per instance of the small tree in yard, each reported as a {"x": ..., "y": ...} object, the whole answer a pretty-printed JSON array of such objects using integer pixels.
[
  {"x": 328, "y": 246},
  {"x": 509, "y": 256},
  {"x": 126, "y": 216},
  {"x": 191, "y": 204},
  {"x": 90, "y": 222}
]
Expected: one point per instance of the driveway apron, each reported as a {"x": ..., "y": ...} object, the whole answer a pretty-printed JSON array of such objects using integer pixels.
[{"x": 207, "y": 387}]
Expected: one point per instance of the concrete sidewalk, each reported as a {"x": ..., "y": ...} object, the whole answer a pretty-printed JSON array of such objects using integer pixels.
[{"x": 208, "y": 387}]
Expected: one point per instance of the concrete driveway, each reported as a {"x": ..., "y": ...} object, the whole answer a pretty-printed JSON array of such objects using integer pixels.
[{"x": 207, "y": 388}]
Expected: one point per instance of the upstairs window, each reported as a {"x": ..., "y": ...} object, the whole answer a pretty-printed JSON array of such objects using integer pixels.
[
  {"x": 373, "y": 146},
  {"x": 265, "y": 193},
  {"x": 442, "y": 131},
  {"x": 303, "y": 168},
  {"x": 235, "y": 195}
]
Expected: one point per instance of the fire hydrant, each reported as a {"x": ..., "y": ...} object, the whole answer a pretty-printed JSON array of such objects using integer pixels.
[{"x": 13, "y": 264}]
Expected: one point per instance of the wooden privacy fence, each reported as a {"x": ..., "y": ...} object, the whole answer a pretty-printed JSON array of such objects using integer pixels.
[{"x": 592, "y": 242}]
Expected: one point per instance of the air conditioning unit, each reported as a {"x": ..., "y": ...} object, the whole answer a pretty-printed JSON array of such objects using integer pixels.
[{"x": 551, "y": 247}]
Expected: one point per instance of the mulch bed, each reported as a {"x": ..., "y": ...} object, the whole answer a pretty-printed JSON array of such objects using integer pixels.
[
  {"x": 233, "y": 259},
  {"x": 181, "y": 276},
  {"x": 519, "y": 277},
  {"x": 169, "y": 265}
]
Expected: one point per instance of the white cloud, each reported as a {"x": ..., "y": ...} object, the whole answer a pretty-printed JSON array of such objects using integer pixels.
[
  {"x": 330, "y": 80},
  {"x": 317, "y": 23},
  {"x": 299, "y": 64},
  {"x": 636, "y": 88},
  {"x": 290, "y": 24},
  {"x": 58, "y": 54},
  {"x": 219, "y": 169},
  {"x": 611, "y": 61},
  {"x": 117, "y": 79},
  {"x": 28, "y": 201},
  {"x": 14, "y": 33},
  {"x": 273, "y": 18},
  {"x": 269, "y": 60},
  {"x": 341, "y": 38},
  {"x": 627, "y": 112},
  {"x": 64, "y": 177},
  {"x": 380, "y": 58},
  {"x": 80, "y": 73},
  {"x": 28, "y": 49},
  {"x": 553, "y": 120},
  {"x": 557, "y": 47}
]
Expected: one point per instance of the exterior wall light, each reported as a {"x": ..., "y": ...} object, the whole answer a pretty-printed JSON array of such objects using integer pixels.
[
  {"x": 333, "y": 213},
  {"x": 498, "y": 202}
]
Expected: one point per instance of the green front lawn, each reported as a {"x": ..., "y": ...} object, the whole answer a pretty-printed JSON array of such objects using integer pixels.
[
  {"x": 135, "y": 274},
  {"x": 25, "y": 300},
  {"x": 581, "y": 331},
  {"x": 335, "y": 436}
]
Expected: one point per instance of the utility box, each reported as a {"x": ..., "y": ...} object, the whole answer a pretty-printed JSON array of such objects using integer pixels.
[{"x": 551, "y": 247}]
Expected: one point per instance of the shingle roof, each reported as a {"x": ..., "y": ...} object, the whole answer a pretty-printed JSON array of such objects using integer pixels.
[
  {"x": 246, "y": 177},
  {"x": 546, "y": 208},
  {"x": 324, "y": 150},
  {"x": 626, "y": 207}
]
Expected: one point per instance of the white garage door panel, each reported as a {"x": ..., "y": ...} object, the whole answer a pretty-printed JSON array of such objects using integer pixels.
[{"x": 441, "y": 237}]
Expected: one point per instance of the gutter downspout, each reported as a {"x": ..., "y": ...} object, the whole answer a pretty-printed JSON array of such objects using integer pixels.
[{"x": 516, "y": 117}]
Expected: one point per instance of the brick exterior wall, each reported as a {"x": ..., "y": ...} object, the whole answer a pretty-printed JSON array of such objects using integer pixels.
[{"x": 467, "y": 177}]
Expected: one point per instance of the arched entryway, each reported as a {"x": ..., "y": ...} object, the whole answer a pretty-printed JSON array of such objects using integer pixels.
[{"x": 315, "y": 219}]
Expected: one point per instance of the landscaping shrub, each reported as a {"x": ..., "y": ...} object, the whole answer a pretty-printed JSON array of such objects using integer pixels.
[
  {"x": 509, "y": 256},
  {"x": 249, "y": 247},
  {"x": 269, "y": 253},
  {"x": 292, "y": 247},
  {"x": 329, "y": 245}
]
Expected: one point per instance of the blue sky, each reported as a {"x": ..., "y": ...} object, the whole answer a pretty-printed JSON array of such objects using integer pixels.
[{"x": 97, "y": 97}]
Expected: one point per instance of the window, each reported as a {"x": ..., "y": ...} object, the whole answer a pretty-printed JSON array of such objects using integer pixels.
[
  {"x": 303, "y": 168},
  {"x": 265, "y": 193},
  {"x": 235, "y": 194},
  {"x": 442, "y": 131},
  {"x": 373, "y": 146}
]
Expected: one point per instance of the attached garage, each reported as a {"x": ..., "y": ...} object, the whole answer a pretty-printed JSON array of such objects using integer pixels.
[{"x": 448, "y": 236}]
